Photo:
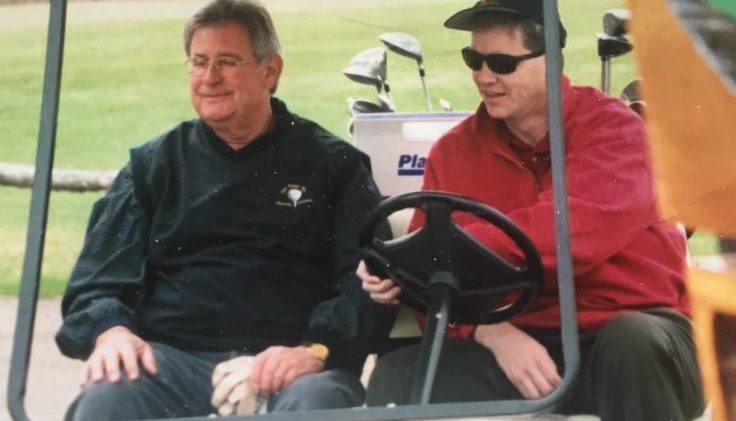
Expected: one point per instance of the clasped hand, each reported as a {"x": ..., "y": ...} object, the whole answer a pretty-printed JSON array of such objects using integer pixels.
[{"x": 241, "y": 383}]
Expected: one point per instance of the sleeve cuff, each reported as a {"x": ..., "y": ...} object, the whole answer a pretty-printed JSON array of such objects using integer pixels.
[{"x": 108, "y": 322}]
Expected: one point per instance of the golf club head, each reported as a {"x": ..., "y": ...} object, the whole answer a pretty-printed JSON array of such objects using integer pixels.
[
  {"x": 631, "y": 92},
  {"x": 402, "y": 44},
  {"x": 364, "y": 106},
  {"x": 616, "y": 22},
  {"x": 373, "y": 59},
  {"x": 639, "y": 107},
  {"x": 613, "y": 46},
  {"x": 632, "y": 95},
  {"x": 363, "y": 75},
  {"x": 445, "y": 104}
]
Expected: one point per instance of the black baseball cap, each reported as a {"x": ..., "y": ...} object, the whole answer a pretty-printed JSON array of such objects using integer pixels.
[{"x": 532, "y": 9}]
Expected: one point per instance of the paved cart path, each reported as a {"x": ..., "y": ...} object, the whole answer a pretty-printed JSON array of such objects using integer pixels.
[{"x": 53, "y": 379}]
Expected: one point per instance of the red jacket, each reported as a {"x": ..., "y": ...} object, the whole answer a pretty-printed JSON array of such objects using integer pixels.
[{"x": 624, "y": 256}]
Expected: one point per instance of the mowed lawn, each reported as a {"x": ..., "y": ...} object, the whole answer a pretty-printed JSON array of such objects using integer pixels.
[{"x": 125, "y": 82}]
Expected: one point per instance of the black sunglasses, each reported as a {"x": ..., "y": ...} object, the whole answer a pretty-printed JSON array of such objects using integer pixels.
[{"x": 503, "y": 64}]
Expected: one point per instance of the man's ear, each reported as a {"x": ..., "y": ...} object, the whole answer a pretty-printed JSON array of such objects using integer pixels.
[{"x": 273, "y": 67}]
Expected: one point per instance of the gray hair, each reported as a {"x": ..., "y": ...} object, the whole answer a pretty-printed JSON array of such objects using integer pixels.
[{"x": 249, "y": 14}]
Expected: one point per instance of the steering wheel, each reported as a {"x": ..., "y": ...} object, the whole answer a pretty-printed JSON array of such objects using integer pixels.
[{"x": 488, "y": 288}]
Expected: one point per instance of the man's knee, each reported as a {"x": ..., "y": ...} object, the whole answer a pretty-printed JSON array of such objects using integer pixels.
[
  {"x": 647, "y": 349},
  {"x": 324, "y": 390},
  {"x": 107, "y": 401},
  {"x": 632, "y": 337},
  {"x": 391, "y": 378},
  {"x": 647, "y": 357}
]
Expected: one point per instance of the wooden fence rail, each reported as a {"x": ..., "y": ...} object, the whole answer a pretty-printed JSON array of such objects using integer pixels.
[{"x": 65, "y": 180}]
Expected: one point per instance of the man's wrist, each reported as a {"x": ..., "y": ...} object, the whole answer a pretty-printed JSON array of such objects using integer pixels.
[
  {"x": 111, "y": 331},
  {"x": 487, "y": 335}
]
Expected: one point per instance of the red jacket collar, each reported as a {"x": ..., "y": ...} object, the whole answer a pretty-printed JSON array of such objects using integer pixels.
[{"x": 494, "y": 131}]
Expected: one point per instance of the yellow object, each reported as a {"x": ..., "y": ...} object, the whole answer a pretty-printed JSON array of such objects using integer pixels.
[
  {"x": 712, "y": 294},
  {"x": 691, "y": 121},
  {"x": 319, "y": 351}
]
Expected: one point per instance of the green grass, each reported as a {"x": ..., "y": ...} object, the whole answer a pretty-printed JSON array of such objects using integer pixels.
[
  {"x": 67, "y": 220},
  {"x": 124, "y": 82}
]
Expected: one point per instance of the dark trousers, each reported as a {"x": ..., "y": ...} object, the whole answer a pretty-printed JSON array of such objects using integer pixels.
[
  {"x": 640, "y": 366},
  {"x": 183, "y": 388}
]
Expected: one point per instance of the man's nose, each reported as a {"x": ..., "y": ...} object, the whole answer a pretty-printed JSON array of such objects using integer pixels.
[
  {"x": 485, "y": 74},
  {"x": 212, "y": 74}
]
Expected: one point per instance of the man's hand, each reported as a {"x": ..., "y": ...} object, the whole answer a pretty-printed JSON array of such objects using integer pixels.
[
  {"x": 232, "y": 395},
  {"x": 278, "y": 366},
  {"x": 524, "y": 360},
  {"x": 117, "y": 347},
  {"x": 383, "y": 291}
]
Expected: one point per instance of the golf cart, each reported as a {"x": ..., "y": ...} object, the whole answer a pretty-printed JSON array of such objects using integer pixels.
[
  {"x": 34, "y": 253},
  {"x": 38, "y": 218}
]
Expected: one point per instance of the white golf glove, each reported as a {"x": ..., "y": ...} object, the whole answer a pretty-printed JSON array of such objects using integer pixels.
[{"x": 232, "y": 395}]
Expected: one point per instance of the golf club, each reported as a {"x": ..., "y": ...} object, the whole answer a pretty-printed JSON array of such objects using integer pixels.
[
  {"x": 385, "y": 103},
  {"x": 632, "y": 95},
  {"x": 363, "y": 106},
  {"x": 369, "y": 67},
  {"x": 408, "y": 46},
  {"x": 612, "y": 42},
  {"x": 616, "y": 22},
  {"x": 608, "y": 48}
]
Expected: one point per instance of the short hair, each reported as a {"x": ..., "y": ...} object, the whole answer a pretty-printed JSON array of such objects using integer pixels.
[
  {"x": 249, "y": 14},
  {"x": 532, "y": 32}
]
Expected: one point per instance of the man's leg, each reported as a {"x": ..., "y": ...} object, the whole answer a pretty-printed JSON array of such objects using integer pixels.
[
  {"x": 324, "y": 390},
  {"x": 467, "y": 372},
  {"x": 182, "y": 387},
  {"x": 642, "y": 367}
]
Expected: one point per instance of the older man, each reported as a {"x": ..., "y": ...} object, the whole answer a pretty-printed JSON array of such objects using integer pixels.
[
  {"x": 231, "y": 235},
  {"x": 636, "y": 347}
]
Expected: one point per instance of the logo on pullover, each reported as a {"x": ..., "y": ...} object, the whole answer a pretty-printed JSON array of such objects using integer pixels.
[
  {"x": 294, "y": 195},
  {"x": 411, "y": 165}
]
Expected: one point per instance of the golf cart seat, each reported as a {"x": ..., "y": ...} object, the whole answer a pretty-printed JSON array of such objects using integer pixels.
[{"x": 445, "y": 272}]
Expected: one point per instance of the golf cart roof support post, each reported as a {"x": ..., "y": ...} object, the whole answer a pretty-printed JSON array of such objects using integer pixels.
[
  {"x": 38, "y": 213},
  {"x": 568, "y": 313}
]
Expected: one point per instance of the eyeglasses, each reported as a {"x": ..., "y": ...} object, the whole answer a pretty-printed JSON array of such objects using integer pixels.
[
  {"x": 503, "y": 64},
  {"x": 226, "y": 65}
]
